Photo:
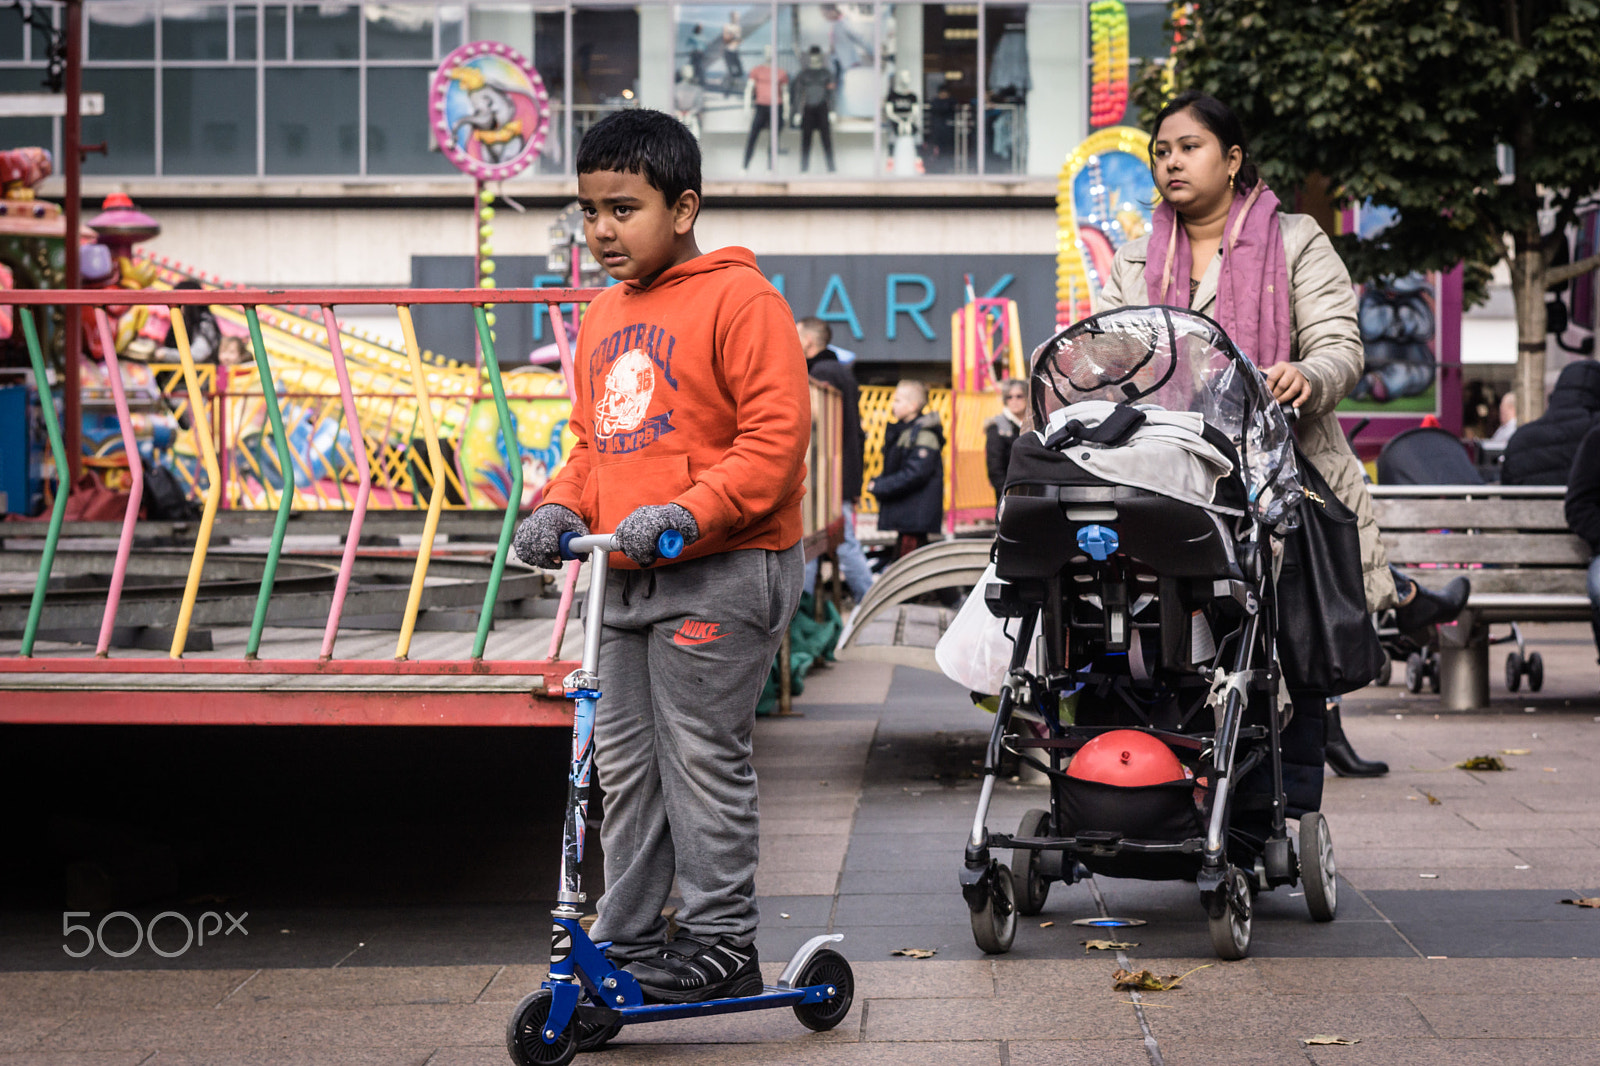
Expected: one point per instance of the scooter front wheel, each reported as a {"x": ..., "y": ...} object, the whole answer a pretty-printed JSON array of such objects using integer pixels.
[{"x": 525, "y": 1034}]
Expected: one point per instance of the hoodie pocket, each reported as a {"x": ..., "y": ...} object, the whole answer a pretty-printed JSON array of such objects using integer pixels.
[{"x": 622, "y": 487}]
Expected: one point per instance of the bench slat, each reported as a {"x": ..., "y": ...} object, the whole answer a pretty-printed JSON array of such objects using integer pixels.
[
  {"x": 1512, "y": 549},
  {"x": 1509, "y": 580},
  {"x": 1402, "y": 514}
]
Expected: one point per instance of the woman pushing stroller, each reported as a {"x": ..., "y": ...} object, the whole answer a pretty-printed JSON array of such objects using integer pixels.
[{"x": 1274, "y": 282}]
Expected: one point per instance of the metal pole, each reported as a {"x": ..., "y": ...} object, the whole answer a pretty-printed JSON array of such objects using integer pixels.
[{"x": 72, "y": 164}]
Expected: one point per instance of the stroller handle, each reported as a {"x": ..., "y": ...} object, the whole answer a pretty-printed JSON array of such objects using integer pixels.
[{"x": 669, "y": 545}]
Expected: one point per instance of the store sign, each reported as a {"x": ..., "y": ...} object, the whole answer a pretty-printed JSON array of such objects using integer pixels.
[{"x": 885, "y": 308}]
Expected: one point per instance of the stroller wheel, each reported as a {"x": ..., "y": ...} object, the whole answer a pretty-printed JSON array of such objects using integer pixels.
[
  {"x": 1029, "y": 885},
  {"x": 1318, "y": 871},
  {"x": 1535, "y": 672},
  {"x": 1414, "y": 671},
  {"x": 1230, "y": 916},
  {"x": 994, "y": 925},
  {"x": 1514, "y": 672},
  {"x": 525, "y": 1034},
  {"x": 1434, "y": 674},
  {"x": 1386, "y": 671}
]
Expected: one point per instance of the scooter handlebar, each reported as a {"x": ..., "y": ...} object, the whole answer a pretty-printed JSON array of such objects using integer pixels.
[{"x": 669, "y": 545}]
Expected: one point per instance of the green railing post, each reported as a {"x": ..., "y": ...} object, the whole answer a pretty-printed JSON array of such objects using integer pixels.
[
  {"x": 285, "y": 496},
  {"x": 508, "y": 429},
  {"x": 41, "y": 381}
]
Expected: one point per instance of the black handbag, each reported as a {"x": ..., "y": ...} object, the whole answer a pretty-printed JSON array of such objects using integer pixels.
[{"x": 1326, "y": 640}]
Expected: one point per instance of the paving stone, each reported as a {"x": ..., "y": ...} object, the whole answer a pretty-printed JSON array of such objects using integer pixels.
[
  {"x": 1280, "y": 1051},
  {"x": 75, "y": 1058},
  {"x": 1542, "y": 1017},
  {"x": 1193, "y": 1016},
  {"x": 1385, "y": 1052},
  {"x": 1077, "y": 1053},
  {"x": 21, "y": 1031},
  {"x": 67, "y": 990},
  {"x": 1508, "y": 977},
  {"x": 374, "y": 1027},
  {"x": 1002, "y": 1018},
  {"x": 355, "y": 987}
]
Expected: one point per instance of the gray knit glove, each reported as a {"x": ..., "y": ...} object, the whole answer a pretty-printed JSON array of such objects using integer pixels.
[
  {"x": 538, "y": 541},
  {"x": 637, "y": 533}
]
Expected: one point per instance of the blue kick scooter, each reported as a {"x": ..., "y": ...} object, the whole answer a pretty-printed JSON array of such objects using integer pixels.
[{"x": 588, "y": 999}]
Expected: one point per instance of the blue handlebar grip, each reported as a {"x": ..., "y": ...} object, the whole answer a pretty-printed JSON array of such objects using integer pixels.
[
  {"x": 566, "y": 538},
  {"x": 670, "y": 544}
]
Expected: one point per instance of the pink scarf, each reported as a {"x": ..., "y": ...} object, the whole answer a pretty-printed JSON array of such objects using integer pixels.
[{"x": 1253, "y": 286}]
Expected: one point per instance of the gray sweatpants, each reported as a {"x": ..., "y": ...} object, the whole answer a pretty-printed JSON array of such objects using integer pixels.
[{"x": 685, "y": 652}]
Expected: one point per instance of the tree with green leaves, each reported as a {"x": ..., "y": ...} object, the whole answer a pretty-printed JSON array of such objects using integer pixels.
[{"x": 1407, "y": 103}]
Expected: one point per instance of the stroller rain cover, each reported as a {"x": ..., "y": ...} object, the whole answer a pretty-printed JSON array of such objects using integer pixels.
[{"x": 1180, "y": 369}]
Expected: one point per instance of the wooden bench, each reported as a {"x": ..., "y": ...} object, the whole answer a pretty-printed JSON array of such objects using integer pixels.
[{"x": 1511, "y": 541}]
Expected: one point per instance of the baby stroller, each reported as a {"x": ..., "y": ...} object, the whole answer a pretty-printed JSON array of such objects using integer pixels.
[{"x": 1135, "y": 566}]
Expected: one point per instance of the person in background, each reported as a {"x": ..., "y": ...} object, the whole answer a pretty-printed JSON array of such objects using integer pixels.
[
  {"x": 1583, "y": 514},
  {"x": 1000, "y": 432},
  {"x": 1508, "y": 419},
  {"x": 910, "y": 490},
  {"x": 822, "y": 363},
  {"x": 233, "y": 351},
  {"x": 204, "y": 335},
  {"x": 1540, "y": 453}
]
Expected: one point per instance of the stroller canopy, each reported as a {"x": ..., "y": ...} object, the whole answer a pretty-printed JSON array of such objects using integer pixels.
[
  {"x": 1426, "y": 456},
  {"x": 1172, "y": 359}
]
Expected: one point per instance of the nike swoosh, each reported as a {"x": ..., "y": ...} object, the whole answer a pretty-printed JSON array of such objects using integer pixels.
[{"x": 679, "y": 638}]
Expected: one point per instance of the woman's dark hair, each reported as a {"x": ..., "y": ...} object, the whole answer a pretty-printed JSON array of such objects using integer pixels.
[
  {"x": 1217, "y": 117},
  {"x": 652, "y": 144}
]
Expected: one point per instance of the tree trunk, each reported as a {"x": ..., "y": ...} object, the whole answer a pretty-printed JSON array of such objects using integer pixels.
[{"x": 1528, "y": 293}]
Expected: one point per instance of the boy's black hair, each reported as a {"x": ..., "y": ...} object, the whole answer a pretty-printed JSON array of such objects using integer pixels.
[{"x": 651, "y": 144}]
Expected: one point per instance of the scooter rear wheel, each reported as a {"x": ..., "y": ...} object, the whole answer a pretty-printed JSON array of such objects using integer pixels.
[
  {"x": 525, "y": 1034},
  {"x": 826, "y": 967}
]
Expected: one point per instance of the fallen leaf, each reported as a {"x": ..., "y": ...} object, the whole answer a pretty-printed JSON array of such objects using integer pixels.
[
  {"x": 1145, "y": 981},
  {"x": 1106, "y": 945},
  {"x": 1587, "y": 901},
  {"x": 1482, "y": 762},
  {"x": 1324, "y": 1038},
  {"x": 915, "y": 953},
  {"x": 1516, "y": 751},
  {"x": 1433, "y": 801},
  {"x": 1046, "y": 925}
]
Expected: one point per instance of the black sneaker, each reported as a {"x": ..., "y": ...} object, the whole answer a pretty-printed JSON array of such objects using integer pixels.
[{"x": 690, "y": 970}]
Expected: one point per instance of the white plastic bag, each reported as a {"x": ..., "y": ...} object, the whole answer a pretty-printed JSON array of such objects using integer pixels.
[{"x": 975, "y": 652}]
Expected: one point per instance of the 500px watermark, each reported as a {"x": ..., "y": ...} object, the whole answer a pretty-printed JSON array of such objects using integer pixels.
[{"x": 146, "y": 934}]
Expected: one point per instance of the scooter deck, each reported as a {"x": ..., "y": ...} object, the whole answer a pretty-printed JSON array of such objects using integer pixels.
[{"x": 769, "y": 997}]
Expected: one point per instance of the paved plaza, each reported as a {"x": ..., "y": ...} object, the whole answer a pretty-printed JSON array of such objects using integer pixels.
[{"x": 1451, "y": 945}]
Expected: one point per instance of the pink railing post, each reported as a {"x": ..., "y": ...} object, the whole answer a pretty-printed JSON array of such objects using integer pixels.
[
  {"x": 359, "y": 447},
  {"x": 130, "y": 445}
]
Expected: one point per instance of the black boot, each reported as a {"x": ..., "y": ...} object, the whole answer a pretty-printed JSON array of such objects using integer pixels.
[
  {"x": 1429, "y": 608},
  {"x": 1340, "y": 755}
]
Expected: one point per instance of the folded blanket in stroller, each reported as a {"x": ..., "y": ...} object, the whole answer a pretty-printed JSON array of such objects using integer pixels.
[{"x": 1166, "y": 454}]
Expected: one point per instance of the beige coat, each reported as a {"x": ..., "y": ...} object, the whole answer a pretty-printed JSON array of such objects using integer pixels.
[{"x": 1326, "y": 345}]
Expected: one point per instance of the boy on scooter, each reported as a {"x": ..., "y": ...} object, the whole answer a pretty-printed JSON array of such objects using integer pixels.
[{"x": 692, "y": 413}]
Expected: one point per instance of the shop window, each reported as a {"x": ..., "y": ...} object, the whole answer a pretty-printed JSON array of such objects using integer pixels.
[
  {"x": 931, "y": 88},
  {"x": 717, "y": 49},
  {"x": 1008, "y": 83},
  {"x": 326, "y": 31},
  {"x": 11, "y": 36},
  {"x": 399, "y": 31},
  {"x": 128, "y": 127},
  {"x": 120, "y": 31},
  {"x": 452, "y": 19},
  {"x": 312, "y": 125},
  {"x": 398, "y": 138},
  {"x": 1055, "y": 109},
  {"x": 828, "y": 51},
  {"x": 25, "y": 132},
  {"x": 194, "y": 31},
  {"x": 208, "y": 120},
  {"x": 246, "y": 21},
  {"x": 276, "y": 31},
  {"x": 605, "y": 64}
]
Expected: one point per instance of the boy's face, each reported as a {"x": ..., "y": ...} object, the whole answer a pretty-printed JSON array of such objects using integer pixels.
[
  {"x": 631, "y": 229},
  {"x": 904, "y": 405}
]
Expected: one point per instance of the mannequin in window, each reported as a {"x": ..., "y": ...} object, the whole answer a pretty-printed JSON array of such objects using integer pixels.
[
  {"x": 811, "y": 97},
  {"x": 696, "y": 46},
  {"x": 902, "y": 108},
  {"x": 766, "y": 84},
  {"x": 733, "y": 66},
  {"x": 688, "y": 99}
]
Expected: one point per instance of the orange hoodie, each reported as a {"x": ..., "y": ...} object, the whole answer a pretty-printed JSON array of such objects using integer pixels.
[{"x": 692, "y": 391}]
